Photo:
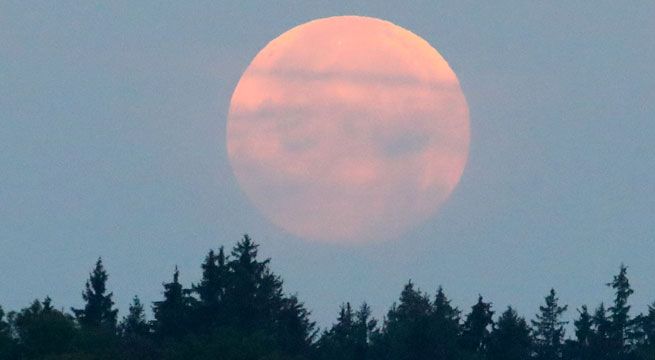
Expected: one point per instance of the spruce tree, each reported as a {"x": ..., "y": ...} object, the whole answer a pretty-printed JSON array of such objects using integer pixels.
[
  {"x": 620, "y": 329},
  {"x": 601, "y": 347},
  {"x": 584, "y": 333},
  {"x": 348, "y": 339},
  {"x": 135, "y": 324},
  {"x": 98, "y": 311},
  {"x": 444, "y": 328},
  {"x": 647, "y": 329},
  {"x": 294, "y": 329},
  {"x": 477, "y": 327},
  {"x": 210, "y": 310},
  {"x": 172, "y": 313},
  {"x": 404, "y": 334},
  {"x": 549, "y": 329},
  {"x": 253, "y": 294},
  {"x": 344, "y": 329},
  {"x": 510, "y": 339},
  {"x": 363, "y": 330},
  {"x": 339, "y": 341}
]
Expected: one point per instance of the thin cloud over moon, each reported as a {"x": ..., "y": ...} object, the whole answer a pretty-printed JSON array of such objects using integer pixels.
[{"x": 348, "y": 129}]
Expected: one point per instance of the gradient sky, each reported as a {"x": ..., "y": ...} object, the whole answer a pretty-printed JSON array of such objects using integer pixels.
[{"x": 112, "y": 143}]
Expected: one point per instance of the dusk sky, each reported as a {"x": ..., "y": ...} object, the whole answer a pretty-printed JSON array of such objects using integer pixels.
[{"x": 113, "y": 121}]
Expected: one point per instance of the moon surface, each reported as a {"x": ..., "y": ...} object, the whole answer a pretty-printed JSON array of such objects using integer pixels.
[{"x": 348, "y": 130}]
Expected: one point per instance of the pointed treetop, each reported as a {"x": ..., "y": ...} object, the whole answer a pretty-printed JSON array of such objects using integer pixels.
[{"x": 98, "y": 309}]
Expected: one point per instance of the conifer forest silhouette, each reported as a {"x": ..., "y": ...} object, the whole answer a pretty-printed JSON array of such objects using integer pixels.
[{"x": 238, "y": 310}]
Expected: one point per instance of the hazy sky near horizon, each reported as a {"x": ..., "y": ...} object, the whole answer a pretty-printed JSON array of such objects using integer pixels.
[{"x": 112, "y": 144}]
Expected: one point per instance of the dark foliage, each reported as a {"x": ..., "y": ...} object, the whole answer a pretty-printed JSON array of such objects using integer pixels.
[
  {"x": 548, "y": 333},
  {"x": 7, "y": 344},
  {"x": 238, "y": 310},
  {"x": 581, "y": 347},
  {"x": 510, "y": 339},
  {"x": 42, "y": 330},
  {"x": 476, "y": 329},
  {"x": 349, "y": 338},
  {"x": 134, "y": 324},
  {"x": 98, "y": 309},
  {"x": 620, "y": 327},
  {"x": 172, "y": 315}
]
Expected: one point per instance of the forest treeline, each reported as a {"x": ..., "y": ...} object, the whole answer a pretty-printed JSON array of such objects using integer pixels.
[{"x": 238, "y": 310}]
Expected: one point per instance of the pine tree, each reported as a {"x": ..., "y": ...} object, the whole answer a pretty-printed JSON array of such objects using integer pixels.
[
  {"x": 172, "y": 313},
  {"x": 620, "y": 323},
  {"x": 135, "y": 324},
  {"x": 549, "y": 329},
  {"x": 476, "y": 328},
  {"x": 510, "y": 339},
  {"x": 98, "y": 311}
]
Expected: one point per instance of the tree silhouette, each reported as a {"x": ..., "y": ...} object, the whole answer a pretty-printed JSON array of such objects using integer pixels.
[
  {"x": 7, "y": 346},
  {"x": 98, "y": 309},
  {"x": 349, "y": 337},
  {"x": 510, "y": 339},
  {"x": 647, "y": 325},
  {"x": 238, "y": 310},
  {"x": 477, "y": 328},
  {"x": 340, "y": 340},
  {"x": 136, "y": 337},
  {"x": 601, "y": 346},
  {"x": 251, "y": 289},
  {"x": 42, "y": 330},
  {"x": 135, "y": 324},
  {"x": 365, "y": 326},
  {"x": 580, "y": 348},
  {"x": 549, "y": 329},
  {"x": 5, "y": 332},
  {"x": 444, "y": 328},
  {"x": 172, "y": 313},
  {"x": 294, "y": 330},
  {"x": 619, "y": 331},
  {"x": 404, "y": 334},
  {"x": 210, "y": 310}
]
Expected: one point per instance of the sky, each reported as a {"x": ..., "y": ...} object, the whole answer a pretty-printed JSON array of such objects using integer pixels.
[{"x": 112, "y": 143}]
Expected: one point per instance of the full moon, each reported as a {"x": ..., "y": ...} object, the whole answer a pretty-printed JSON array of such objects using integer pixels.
[{"x": 348, "y": 130}]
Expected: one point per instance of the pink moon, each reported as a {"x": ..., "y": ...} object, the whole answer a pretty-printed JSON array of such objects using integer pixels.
[{"x": 348, "y": 130}]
